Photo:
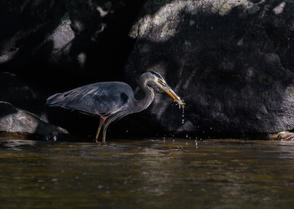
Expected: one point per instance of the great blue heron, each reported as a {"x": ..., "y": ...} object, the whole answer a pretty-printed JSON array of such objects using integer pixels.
[{"x": 112, "y": 100}]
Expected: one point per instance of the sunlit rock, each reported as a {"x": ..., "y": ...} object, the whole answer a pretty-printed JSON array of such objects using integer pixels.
[
  {"x": 280, "y": 8},
  {"x": 15, "y": 120}
]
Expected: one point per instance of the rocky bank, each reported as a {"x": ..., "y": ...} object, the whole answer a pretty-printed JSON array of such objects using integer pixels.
[{"x": 231, "y": 60}]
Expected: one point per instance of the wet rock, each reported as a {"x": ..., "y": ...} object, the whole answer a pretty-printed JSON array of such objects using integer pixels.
[
  {"x": 16, "y": 120},
  {"x": 231, "y": 61}
]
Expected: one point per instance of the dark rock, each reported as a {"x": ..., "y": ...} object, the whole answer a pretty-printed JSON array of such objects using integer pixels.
[
  {"x": 18, "y": 92},
  {"x": 231, "y": 61},
  {"x": 15, "y": 120},
  {"x": 25, "y": 26},
  {"x": 77, "y": 40}
]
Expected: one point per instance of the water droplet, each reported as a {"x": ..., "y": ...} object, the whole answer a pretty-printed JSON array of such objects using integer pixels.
[
  {"x": 183, "y": 116},
  {"x": 54, "y": 179},
  {"x": 196, "y": 144}
]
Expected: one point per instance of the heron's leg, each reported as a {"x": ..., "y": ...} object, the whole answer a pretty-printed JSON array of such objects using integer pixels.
[
  {"x": 104, "y": 133},
  {"x": 107, "y": 123},
  {"x": 99, "y": 128}
]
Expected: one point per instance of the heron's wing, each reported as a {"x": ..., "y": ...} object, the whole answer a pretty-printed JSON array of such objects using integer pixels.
[{"x": 103, "y": 98}]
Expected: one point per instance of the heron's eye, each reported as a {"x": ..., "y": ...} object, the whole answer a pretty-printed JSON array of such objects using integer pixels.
[{"x": 161, "y": 82}]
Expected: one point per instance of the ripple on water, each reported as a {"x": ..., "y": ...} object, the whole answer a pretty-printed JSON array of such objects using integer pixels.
[{"x": 170, "y": 173}]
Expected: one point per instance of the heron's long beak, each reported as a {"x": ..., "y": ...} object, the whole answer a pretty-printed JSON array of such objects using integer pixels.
[{"x": 173, "y": 95}]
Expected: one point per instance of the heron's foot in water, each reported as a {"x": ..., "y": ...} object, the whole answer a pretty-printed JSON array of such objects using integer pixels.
[
  {"x": 51, "y": 138},
  {"x": 100, "y": 143},
  {"x": 283, "y": 135}
]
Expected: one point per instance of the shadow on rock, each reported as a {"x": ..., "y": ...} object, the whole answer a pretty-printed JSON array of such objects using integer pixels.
[{"x": 231, "y": 63}]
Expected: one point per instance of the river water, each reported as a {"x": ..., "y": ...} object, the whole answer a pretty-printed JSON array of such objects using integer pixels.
[{"x": 150, "y": 173}]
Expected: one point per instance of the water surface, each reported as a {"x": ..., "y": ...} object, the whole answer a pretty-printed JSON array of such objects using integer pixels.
[{"x": 151, "y": 173}]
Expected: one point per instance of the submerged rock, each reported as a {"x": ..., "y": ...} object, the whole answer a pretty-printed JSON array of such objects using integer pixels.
[
  {"x": 231, "y": 61},
  {"x": 16, "y": 120}
]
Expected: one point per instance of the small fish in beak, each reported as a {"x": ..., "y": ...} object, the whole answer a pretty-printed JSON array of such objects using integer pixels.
[{"x": 163, "y": 85}]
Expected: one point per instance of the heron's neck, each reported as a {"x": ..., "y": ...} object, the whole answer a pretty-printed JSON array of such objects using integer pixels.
[{"x": 145, "y": 102}]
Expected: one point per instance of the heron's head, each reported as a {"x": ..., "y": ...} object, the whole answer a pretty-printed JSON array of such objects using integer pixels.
[{"x": 161, "y": 83}]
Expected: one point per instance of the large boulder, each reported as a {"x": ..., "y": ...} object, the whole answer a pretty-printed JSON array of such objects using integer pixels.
[
  {"x": 16, "y": 120},
  {"x": 232, "y": 61},
  {"x": 22, "y": 109}
]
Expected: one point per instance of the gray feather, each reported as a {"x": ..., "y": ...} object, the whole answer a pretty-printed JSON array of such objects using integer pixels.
[{"x": 103, "y": 98}]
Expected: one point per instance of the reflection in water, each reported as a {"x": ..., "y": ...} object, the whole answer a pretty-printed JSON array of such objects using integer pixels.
[
  {"x": 147, "y": 174},
  {"x": 16, "y": 144}
]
